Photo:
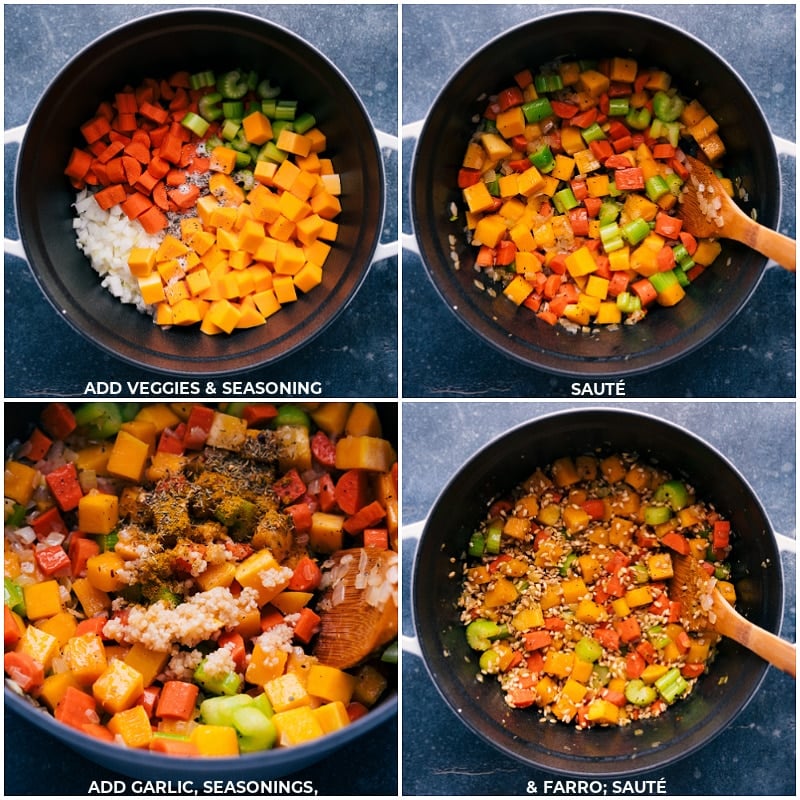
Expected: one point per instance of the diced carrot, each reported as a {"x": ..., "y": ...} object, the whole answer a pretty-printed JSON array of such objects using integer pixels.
[
  {"x": 536, "y": 640},
  {"x": 153, "y": 220},
  {"x": 133, "y": 169},
  {"x": 177, "y": 699},
  {"x": 76, "y": 709},
  {"x": 97, "y": 731},
  {"x": 126, "y": 103},
  {"x": 233, "y": 641},
  {"x": 644, "y": 290},
  {"x": 667, "y": 226},
  {"x": 366, "y": 517},
  {"x": 58, "y": 420},
  {"x": 301, "y": 514},
  {"x": 158, "y": 167},
  {"x": 634, "y": 664},
  {"x": 138, "y": 150},
  {"x": 175, "y": 177},
  {"x": 95, "y": 129},
  {"x": 92, "y": 625},
  {"x": 356, "y": 710},
  {"x": 173, "y": 747},
  {"x": 259, "y": 414},
  {"x": 352, "y": 491},
  {"x": 110, "y": 196},
  {"x": 170, "y": 149},
  {"x": 135, "y": 205},
  {"x": 160, "y": 196},
  {"x": 306, "y": 625},
  {"x": 547, "y": 316},
  {"x": 676, "y": 541},
  {"x": 289, "y": 487},
  {"x": 376, "y": 537},
  {"x": 185, "y": 196},
  {"x": 27, "y": 673},
  {"x": 607, "y": 637},
  {"x": 628, "y": 629},
  {"x": 79, "y": 164},
  {"x": 270, "y": 617},
  {"x": 522, "y": 697},
  {"x": 125, "y": 123},
  {"x": 38, "y": 444},
  {"x": 153, "y": 112},
  {"x": 689, "y": 242},
  {"x": 12, "y": 632},
  {"x": 307, "y": 575}
]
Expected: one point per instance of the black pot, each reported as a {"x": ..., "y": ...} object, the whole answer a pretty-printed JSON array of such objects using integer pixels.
[
  {"x": 452, "y": 665},
  {"x": 154, "y": 46},
  {"x": 20, "y": 419},
  {"x": 666, "y": 334}
]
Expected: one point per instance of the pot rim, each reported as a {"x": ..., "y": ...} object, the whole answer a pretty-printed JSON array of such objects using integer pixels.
[
  {"x": 435, "y": 662},
  {"x": 244, "y": 352},
  {"x": 487, "y": 326}
]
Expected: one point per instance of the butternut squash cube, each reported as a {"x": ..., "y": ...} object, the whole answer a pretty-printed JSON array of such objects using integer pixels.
[
  {"x": 98, "y": 513},
  {"x": 364, "y": 452},
  {"x": 265, "y": 665},
  {"x": 128, "y": 457},
  {"x": 227, "y": 432},
  {"x": 332, "y": 716},
  {"x": 330, "y": 683},
  {"x": 133, "y": 726},
  {"x": 297, "y": 725},
  {"x": 288, "y": 602},
  {"x": 19, "y": 481},
  {"x": 102, "y": 571},
  {"x": 85, "y": 657},
  {"x": 286, "y": 692},
  {"x": 148, "y": 663},
  {"x": 61, "y": 625},
  {"x": 262, "y": 572},
  {"x": 215, "y": 740},
  {"x": 93, "y": 600},
  {"x": 39, "y": 645},
  {"x": 118, "y": 687},
  {"x": 42, "y": 599},
  {"x": 54, "y": 688}
]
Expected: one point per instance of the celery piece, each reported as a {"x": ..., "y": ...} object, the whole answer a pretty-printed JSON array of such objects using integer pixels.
[
  {"x": 636, "y": 230},
  {"x": 543, "y": 159},
  {"x": 477, "y": 545},
  {"x": 656, "y": 515},
  {"x": 233, "y": 84},
  {"x": 618, "y": 106},
  {"x": 627, "y": 302},
  {"x": 663, "y": 280},
  {"x": 638, "y": 119},
  {"x": 226, "y": 684},
  {"x": 305, "y": 122},
  {"x": 286, "y": 109},
  {"x": 671, "y": 685},
  {"x": 208, "y": 106},
  {"x": 219, "y": 710},
  {"x": 195, "y": 123},
  {"x": 254, "y": 730},
  {"x": 489, "y": 662},
  {"x": 98, "y": 420},
  {"x": 593, "y": 133},
  {"x": 13, "y": 596},
  {"x": 639, "y": 693},
  {"x": 481, "y": 632},
  {"x": 233, "y": 109},
  {"x": 674, "y": 493},
  {"x": 537, "y": 110},
  {"x": 667, "y": 107},
  {"x": 289, "y": 414},
  {"x": 588, "y": 649},
  {"x": 565, "y": 200},
  {"x": 493, "y": 537},
  {"x": 655, "y": 187}
]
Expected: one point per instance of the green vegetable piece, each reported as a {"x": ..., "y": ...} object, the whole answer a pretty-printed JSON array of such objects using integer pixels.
[
  {"x": 219, "y": 710},
  {"x": 662, "y": 281},
  {"x": 233, "y": 84},
  {"x": 543, "y": 159},
  {"x": 671, "y": 685},
  {"x": 656, "y": 187},
  {"x": 239, "y": 516},
  {"x": 229, "y": 129},
  {"x": 254, "y": 730},
  {"x": 537, "y": 110},
  {"x": 289, "y": 414},
  {"x": 261, "y": 702},
  {"x": 639, "y": 693},
  {"x": 195, "y": 123},
  {"x": 593, "y": 133},
  {"x": 390, "y": 653},
  {"x": 658, "y": 637},
  {"x": 481, "y": 632},
  {"x": 108, "y": 541},
  {"x": 477, "y": 545},
  {"x": 305, "y": 122},
  {"x": 233, "y": 109},
  {"x": 638, "y": 118},
  {"x": 286, "y": 109},
  {"x": 565, "y": 200},
  {"x": 588, "y": 649},
  {"x": 601, "y": 675},
  {"x": 227, "y": 684},
  {"x": 489, "y": 662},
  {"x": 266, "y": 91},
  {"x": 667, "y": 107},
  {"x": 13, "y": 596},
  {"x": 636, "y": 231},
  {"x": 618, "y": 106},
  {"x": 98, "y": 420},
  {"x": 201, "y": 80},
  {"x": 16, "y": 517},
  {"x": 627, "y": 302},
  {"x": 674, "y": 493},
  {"x": 494, "y": 535},
  {"x": 567, "y": 565},
  {"x": 208, "y": 106}
]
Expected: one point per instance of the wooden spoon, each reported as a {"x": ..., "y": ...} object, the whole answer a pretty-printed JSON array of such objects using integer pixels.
[
  {"x": 690, "y": 584},
  {"x": 730, "y": 222},
  {"x": 355, "y": 623}
]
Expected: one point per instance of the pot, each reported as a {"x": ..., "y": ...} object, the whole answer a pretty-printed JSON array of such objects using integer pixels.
[
  {"x": 666, "y": 334},
  {"x": 146, "y": 47},
  {"x": 452, "y": 665},
  {"x": 20, "y": 418}
]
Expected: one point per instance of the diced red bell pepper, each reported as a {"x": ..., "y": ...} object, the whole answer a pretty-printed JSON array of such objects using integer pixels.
[
  {"x": 366, "y": 517},
  {"x": 259, "y": 414},
  {"x": 630, "y": 179},
  {"x": 323, "y": 449},
  {"x": 721, "y": 534},
  {"x": 58, "y": 420},
  {"x": 468, "y": 177},
  {"x": 52, "y": 560},
  {"x": 564, "y": 110},
  {"x": 49, "y": 521},
  {"x": 508, "y": 98},
  {"x": 171, "y": 440},
  {"x": 64, "y": 486},
  {"x": 579, "y": 220},
  {"x": 289, "y": 487},
  {"x": 198, "y": 425},
  {"x": 301, "y": 514},
  {"x": 585, "y": 118}
]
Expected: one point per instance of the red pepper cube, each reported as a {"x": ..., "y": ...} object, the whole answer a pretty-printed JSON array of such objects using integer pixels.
[{"x": 64, "y": 486}]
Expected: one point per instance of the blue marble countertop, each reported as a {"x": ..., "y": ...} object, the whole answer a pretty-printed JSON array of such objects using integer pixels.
[
  {"x": 45, "y": 357},
  {"x": 755, "y": 755},
  {"x": 448, "y": 360}
]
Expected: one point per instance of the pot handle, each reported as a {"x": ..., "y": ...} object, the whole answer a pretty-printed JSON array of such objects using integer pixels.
[
  {"x": 14, "y": 136},
  {"x": 785, "y": 147},
  {"x": 411, "y": 533}
]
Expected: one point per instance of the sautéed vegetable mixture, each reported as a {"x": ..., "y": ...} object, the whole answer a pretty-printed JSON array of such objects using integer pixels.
[
  {"x": 198, "y": 580},
  {"x": 571, "y": 182},
  {"x": 566, "y": 590}
]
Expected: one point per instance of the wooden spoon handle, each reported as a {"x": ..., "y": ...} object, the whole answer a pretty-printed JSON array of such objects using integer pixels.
[
  {"x": 771, "y": 648},
  {"x": 781, "y": 249}
]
